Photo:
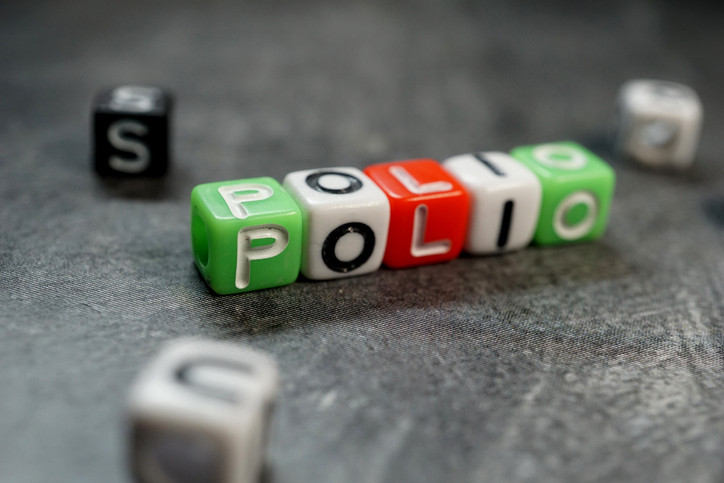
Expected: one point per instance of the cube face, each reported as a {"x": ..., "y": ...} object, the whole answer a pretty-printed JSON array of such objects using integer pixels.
[
  {"x": 505, "y": 201},
  {"x": 429, "y": 212},
  {"x": 659, "y": 123},
  {"x": 199, "y": 412},
  {"x": 577, "y": 191},
  {"x": 246, "y": 234},
  {"x": 166, "y": 453},
  {"x": 345, "y": 221},
  {"x": 131, "y": 131}
]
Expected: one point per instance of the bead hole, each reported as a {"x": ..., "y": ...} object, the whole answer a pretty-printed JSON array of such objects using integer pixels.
[{"x": 200, "y": 240}]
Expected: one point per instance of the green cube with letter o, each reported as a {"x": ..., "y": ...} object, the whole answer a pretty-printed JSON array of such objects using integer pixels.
[{"x": 577, "y": 191}]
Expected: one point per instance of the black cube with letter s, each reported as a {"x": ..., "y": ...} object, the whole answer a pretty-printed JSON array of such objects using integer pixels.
[{"x": 131, "y": 132}]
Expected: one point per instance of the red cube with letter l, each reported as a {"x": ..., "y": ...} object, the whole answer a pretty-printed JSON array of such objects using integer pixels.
[{"x": 429, "y": 212}]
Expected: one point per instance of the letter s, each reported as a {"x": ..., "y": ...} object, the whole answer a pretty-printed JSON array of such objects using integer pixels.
[{"x": 117, "y": 136}]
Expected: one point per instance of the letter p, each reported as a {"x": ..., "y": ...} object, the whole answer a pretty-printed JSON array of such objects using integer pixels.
[{"x": 248, "y": 251}]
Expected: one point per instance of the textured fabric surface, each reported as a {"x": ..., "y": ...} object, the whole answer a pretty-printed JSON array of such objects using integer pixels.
[{"x": 596, "y": 362}]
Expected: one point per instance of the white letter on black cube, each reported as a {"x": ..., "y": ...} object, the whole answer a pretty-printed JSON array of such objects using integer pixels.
[{"x": 131, "y": 131}]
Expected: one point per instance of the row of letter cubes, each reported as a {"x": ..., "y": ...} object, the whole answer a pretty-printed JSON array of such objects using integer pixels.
[{"x": 329, "y": 223}]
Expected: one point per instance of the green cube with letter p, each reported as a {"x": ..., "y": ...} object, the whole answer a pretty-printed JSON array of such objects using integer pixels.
[{"x": 246, "y": 234}]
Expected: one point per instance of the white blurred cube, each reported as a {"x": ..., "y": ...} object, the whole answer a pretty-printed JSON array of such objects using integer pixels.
[
  {"x": 659, "y": 123},
  {"x": 200, "y": 413}
]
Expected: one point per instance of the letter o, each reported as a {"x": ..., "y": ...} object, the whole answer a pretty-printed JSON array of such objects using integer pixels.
[
  {"x": 313, "y": 182},
  {"x": 580, "y": 229},
  {"x": 330, "y": 243}
]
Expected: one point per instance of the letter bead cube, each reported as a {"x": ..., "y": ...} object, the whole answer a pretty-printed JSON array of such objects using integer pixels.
[
  {"x": 131, "y": 131},
  {"x": 659, "y": 123},
  {"x": 506, "y": 199},
  {"x": 246, "y": 234},
  {"x": 346, "y": 218},
  {"x": 200, "y": 412},
  {"x": 577, "y": 191},
  {"x": 429, "y": 212}
]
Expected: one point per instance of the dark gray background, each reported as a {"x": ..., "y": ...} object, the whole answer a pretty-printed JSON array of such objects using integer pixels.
[{"x": 596, "y": 362}]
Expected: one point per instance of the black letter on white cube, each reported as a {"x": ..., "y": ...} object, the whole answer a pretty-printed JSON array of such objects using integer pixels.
[
  {"x": 200, "y": 413},
  {"x": 131, "y": 131}
]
